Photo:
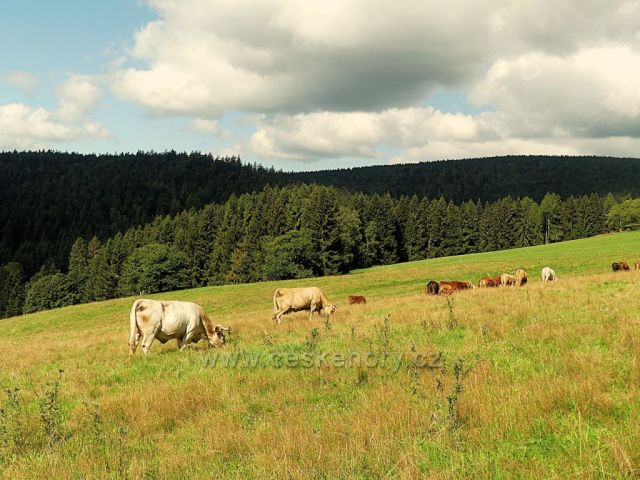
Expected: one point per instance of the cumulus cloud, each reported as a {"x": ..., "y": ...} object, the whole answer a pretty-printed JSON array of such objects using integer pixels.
[
  {"x": 359, "y": 134},
  {"x": 76, "y": 97},
  {"x": 203, "y": 125},
  {"x": 25, "y": 127},
  {"x": 25, "y": 81},
  {"x": 346, "y": 78}
]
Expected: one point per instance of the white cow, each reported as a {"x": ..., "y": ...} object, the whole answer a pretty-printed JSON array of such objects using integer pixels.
[
  {"x": 166, "y": 320},
  {"x": 287, "y": 300},
  {"x": 549, "y": 275}
]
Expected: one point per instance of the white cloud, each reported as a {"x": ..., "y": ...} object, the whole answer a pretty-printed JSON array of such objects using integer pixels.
[
  {"x": 25, "y": 81},
  {"x": 592, "y": 93},
  {"x": 358, "y": 134},
  {"x": 76, "y": 97},
  {"x": 25, "y": 127},
  {"x": 203, "y": 125},
  {"x": 348, "y": 78}
]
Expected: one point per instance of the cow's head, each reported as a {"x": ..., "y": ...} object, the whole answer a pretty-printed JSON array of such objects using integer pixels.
[
  {"x": 218, "y": 338},
  {"x": 328, "y": 310}
]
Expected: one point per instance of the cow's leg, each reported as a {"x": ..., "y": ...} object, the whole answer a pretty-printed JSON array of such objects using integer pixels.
[
  {"x": 311, "y": 310},
  {"x": 147, "y": 339},
  {"x": 186, "y": 340},
  {"x": 282, "y": 310}
]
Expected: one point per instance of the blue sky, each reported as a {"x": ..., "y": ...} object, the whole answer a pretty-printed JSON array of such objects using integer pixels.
[{"x": 308, "y": 85}]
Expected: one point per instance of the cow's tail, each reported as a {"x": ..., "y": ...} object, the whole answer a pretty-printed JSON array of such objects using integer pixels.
[
  {"x": 275, "y": 304},
  {"x": 133, "y": 326}
]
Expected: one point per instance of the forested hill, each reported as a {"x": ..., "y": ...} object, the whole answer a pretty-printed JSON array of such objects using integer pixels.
[
  {"x": 48, "y": 199},
  {"x": 489, "y": 179}
]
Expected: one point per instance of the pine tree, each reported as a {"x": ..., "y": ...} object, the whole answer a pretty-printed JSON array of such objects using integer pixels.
[
  {"x": 79, "y": 270},
  {"x": 227, "y": 237},
  {"x": 350, "y": 236},
  {"x": 551, "y": 218},
  {"x": 247, "y": 256},
  {"x": 412, "y": 230},
  {"x": 320, "y": 220},
  {"x": 11, "y": 289},
  {"x": 437, "y": 232},
  {"x": 470, "y": 213},
  {"x": 452, "y": 242}
]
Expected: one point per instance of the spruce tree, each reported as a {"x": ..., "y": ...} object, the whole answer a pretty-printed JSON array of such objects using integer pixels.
[
  {"x": 11, "y": 289},
  {"x": 320, "y": 219},
  {"x": 79, "y": 270}
]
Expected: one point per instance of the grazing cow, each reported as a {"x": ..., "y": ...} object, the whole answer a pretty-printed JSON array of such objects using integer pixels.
[
  {"x": 166, "y": 320},
  {"x": 521, "y": 278},
  {"x": 615, "y": 266},
  {"x": 624, "y": 266},
  {"x": 507, "y": 279},
  {"x": 549, "y": 275},
  {"x": 488, "y": 282},
  {"x": 638, "y": 265},
  {"x": 456, "y": 285},
  {"x": 446, "y": 289},
  {"x": 354, "y": 299},
  {"x": 432, "y": 288},
  {"x": 287, "y": 300}
]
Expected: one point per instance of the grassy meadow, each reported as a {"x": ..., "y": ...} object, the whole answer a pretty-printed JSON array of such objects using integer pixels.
[{"x": 541, "y": 381}]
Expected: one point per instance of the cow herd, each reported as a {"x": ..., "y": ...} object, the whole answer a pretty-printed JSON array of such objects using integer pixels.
[
  {"x": 623, "y": 266},
  {"x": 506, "y": 279},
  {"x": 187, "y": 323}
]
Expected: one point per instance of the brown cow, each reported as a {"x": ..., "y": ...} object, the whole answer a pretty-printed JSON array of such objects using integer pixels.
[
  {"x": 637, "y": 264},
  {"x": 446, "y": 289},
  {"x": 432, "y": 288},
  {"x": 487, "y": 282},
  {"x": 354, "y": 299},
  {"x": 521, "y": 277},
  {"x": 624, "y": 266},
  {"x": 456, "y": 285}
]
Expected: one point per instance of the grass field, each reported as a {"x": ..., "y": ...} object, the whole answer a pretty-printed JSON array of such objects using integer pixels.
[{"x": 535, "y": 382}]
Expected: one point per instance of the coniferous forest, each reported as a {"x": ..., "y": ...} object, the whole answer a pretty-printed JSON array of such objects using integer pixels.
[{"x": 79, "y": 228}]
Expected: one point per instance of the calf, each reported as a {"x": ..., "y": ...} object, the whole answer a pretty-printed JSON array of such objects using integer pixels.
[{"x": 355, "y": 299}]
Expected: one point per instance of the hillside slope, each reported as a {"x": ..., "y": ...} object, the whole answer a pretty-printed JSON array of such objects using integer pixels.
[{"x": 539, "y": 381}]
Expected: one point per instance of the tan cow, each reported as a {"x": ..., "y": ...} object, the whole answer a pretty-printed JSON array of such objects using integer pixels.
[
  {"x": 287, "y": 300},
  {"x": 507, "y": 279},
  {"x": 521, "y": 278},
  {"x": 166, "y": 320}
]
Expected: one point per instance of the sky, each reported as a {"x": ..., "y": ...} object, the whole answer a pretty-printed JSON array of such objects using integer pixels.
[{"x": 308, "y": 85}]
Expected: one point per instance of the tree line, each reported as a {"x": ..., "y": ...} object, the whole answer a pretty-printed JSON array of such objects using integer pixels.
[
  {"x": 48, "y": 198},
  {"x": 298, "y": 231}
]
